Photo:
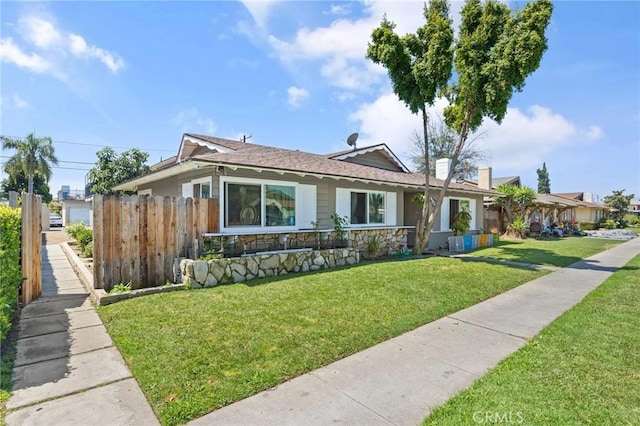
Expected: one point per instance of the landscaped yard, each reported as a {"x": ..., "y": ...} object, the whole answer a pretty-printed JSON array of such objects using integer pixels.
[
  {"x": 584, "y": 368},
  {"x": 552, "y": 251},
  {"x": 195, "y": 351}
]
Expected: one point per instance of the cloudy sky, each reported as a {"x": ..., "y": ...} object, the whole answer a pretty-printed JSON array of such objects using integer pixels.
[{"x": 293, "y": 74}]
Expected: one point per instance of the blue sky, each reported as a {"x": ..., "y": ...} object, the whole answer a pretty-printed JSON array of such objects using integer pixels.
[{"x": 294, "y": 75}]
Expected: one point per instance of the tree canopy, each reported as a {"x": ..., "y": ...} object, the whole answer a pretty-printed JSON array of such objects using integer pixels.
[
  {"x": 544, "y": 184},
  {"x": 496, "y": 50},
  {"x": 112, "y": 169},
  {"x": 19, "y": 183},
  {"x": 618, "y": 203},
  {"x": 33, "y": 155}
]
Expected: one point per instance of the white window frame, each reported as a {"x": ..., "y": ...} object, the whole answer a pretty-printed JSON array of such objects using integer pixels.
[
  {"x": 147, "y": 191},
  {"x": 256, "y": 229},
  {"x": 444, "y": 212},
  {"x": 387, "y": 206},
  {"x": 200, "y": 181}
]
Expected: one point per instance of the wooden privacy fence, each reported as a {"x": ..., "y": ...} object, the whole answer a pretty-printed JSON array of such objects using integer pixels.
[
  {"x": 31, "y": 247},
  {"x": 137, "y": 238}
]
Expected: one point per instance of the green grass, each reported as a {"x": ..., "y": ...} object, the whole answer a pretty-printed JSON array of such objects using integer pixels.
[
  {"x": 552, "y": 251},
  {"x": 195, "y": 351},
  {"x": 584, "y": 368}
]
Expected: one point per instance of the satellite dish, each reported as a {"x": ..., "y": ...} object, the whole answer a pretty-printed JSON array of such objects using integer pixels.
[{"x": 351, "y": 140}]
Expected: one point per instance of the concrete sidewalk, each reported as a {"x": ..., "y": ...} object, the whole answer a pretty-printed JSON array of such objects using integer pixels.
[
  {"x": 67, "y": 371},
  {"x": 399, "y": 381}
]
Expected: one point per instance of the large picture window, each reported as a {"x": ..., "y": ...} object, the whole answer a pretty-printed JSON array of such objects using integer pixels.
[
  {"x": 259, "y": 205},
  {"x": 367, "y": 208}
]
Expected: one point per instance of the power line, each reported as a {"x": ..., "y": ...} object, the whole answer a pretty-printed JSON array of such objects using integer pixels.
[
  {"x": 59, "y": 161},
  {"x": 94, "y": 145}
]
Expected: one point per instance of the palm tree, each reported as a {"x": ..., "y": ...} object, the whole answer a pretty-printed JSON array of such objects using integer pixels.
[{"x": 32, "y": 155}]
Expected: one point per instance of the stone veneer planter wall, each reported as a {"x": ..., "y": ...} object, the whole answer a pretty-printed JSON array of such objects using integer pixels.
[
  {"x": 208, "y": 273},
  {"x": 391, "y": 239}
]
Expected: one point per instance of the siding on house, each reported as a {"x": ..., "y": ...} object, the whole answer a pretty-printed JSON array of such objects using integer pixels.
[
  {"x": 373, "y": 159},
  {"x": 325, "y": 189}
]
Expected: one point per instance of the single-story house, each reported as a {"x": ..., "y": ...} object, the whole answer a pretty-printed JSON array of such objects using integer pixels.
[
  {"x": 587, "y": 208},
  {"x": 268, "y": 190}
]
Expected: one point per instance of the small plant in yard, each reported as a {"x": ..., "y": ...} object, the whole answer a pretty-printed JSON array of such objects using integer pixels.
[
  {"x": 83, "y": 236},
  {"x": 461, "y": 222},
  {"x": 210, "y": 256},
  {"x": 339, "y": 224},
  {"x": 373, "y": 245},
  {"x": 517, "y": 229},
  {"x": 120, "y": 288}
]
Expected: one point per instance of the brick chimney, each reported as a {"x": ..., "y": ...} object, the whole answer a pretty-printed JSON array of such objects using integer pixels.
[
  {"x": 484, "y": 177},
  {"x": 442, "y": 168}
]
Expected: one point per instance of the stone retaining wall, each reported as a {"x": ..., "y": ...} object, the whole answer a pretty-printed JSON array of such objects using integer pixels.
[
  {"x": 208, "y": 273},
  {"x": 391, "y": 240}
]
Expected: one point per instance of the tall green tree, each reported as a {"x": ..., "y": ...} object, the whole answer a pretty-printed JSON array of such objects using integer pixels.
[
  {"x": 544, "y": 184},
  {"x": 112, "y": 169},
  {"x": 442, "y": 143},
  {"x": 33, "y": 155},
  {"x": 419, "y": 66},
  {"x": 495, "y": 52},
  {"x": 19, "y": 183},
  {"x": 619, "y": 205}
]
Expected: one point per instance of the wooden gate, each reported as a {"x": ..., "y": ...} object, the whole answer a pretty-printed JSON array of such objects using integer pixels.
[
  {"x": 31, "y": 247},
  {"x": 137, "y": 238}
]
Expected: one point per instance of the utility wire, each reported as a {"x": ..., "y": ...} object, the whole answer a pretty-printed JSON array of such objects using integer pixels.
[{"x": 94, "y": 145}]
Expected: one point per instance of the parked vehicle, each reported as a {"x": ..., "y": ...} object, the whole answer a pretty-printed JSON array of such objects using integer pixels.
[{"x": 55, "y": 220}]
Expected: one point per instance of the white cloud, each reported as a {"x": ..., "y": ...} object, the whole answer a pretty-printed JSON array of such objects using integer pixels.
[
  {"x": 523, "y": 140},
  {"x": 296, "y": 95},
  {"x": 55, "y": 45},
  {"x": 19, "y": 102},
  {"x": 594, "y": 133},
  {"x": 345, "y": 96},
  {"x": 10, "y": 52},
  {"x": 39, "y": 31},
  {"x": 79, "y": 47},
  {"x": 190, "y": 120},
  {"x": 259, "y": 10},
  {"x": 341, "y": 47},
  {"x": 338, "y": 9}
]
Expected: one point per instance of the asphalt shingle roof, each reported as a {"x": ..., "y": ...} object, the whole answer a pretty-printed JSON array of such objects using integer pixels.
[{"x": 262, "y": 156}]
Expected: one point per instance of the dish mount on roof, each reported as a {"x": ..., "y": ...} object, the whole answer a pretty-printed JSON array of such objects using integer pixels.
[{"x": 351, "y": 140}]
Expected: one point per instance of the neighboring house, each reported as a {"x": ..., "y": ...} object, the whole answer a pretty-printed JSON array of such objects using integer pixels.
[
  {"x": 634, "y": 206},
  {"x": 75, "y": 208},
  {"x": 268, "y": 190},
  {"x": 587, "y": 208}
]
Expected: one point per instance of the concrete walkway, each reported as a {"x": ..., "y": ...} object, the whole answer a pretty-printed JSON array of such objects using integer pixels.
[
  {"x": 399, "y": 381},
  {"x": 67, "y": 371}
]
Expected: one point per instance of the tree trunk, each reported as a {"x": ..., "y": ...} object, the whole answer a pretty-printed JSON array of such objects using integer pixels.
[
  {"x": 454, "y": 162},
  {"x": 30, "y": 184},
  {"x": 422, "y": 231}
]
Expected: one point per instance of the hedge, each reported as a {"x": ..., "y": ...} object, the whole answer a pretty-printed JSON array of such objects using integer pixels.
[
  {"x": 10, "y": 272},
  {"x": 588, "y": 226}
]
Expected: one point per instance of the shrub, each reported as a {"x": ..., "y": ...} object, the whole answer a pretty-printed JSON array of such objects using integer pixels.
[
  {"x": 83, "y": 236},
  {"x": 587, "y": 226},
  {"x": 517, "y": 229},
  {"x": 10, "y": 272},
  {"x": 609, "y": 224},
  {"x": 88, "y": 250},
  {"x": 632, "y": 219}
]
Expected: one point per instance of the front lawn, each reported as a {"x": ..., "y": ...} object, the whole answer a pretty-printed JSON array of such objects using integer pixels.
[
  {"x": 195, "y": 351},
  {"x": 584, "y": 368},
  {"x": 552, "y": 251}
]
